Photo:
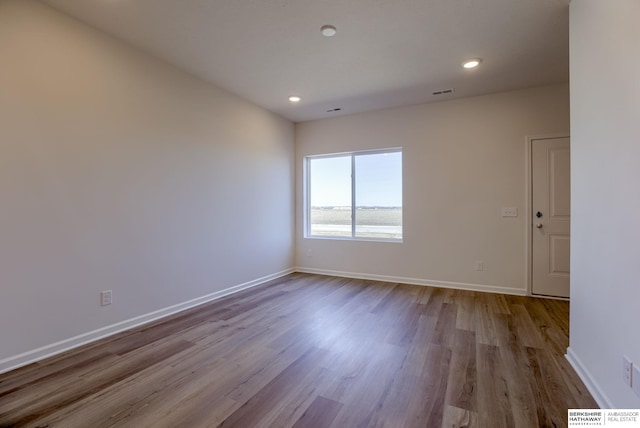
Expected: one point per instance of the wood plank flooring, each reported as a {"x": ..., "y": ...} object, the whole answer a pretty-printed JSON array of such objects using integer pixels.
[{"x": 316, "y": 351}]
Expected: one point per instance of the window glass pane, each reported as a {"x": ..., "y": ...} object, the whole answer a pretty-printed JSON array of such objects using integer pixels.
[
  {"x": 379, "y": 195},
  {"x": 330, "y": 196}
]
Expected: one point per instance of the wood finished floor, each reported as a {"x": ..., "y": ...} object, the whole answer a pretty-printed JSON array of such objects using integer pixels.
[{"x": 316, "y": 351}]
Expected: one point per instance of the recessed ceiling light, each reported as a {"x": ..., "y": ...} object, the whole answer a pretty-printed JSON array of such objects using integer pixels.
[
  {"x": 472, "y": 63},
  {"x": 328, "y": 30},
  {"x": 294, "y": 99}
]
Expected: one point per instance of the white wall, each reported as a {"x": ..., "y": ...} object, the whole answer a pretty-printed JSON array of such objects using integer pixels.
[
  {"x": 120, "y": 172},
  {"x": 605, "y": 255},
  {"x": 463, "y": 161}
]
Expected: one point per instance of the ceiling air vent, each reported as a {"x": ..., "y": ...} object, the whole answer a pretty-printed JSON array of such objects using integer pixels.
[
  {"x": 334, "y": 110},
  {"x": 443, "y": 92}
]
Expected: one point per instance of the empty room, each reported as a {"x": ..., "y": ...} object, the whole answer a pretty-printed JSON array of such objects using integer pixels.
[{"x": 356, "y": 213}]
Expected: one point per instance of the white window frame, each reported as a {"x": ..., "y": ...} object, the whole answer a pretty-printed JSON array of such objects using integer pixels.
[{"x": 307, "y": 195}]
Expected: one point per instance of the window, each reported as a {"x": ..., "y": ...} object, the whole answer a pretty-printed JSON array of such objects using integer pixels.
[{"x": 354, "y": 195}]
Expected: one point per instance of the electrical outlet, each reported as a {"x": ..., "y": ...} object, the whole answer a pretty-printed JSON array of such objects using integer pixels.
[
  {"x": 106, "y": 298},
  {"x": 479, "y": 265},
  {"x": 626, "y": 370},
  {"x": 635, "y": 380},
  {"x": 309, "y": 252}
]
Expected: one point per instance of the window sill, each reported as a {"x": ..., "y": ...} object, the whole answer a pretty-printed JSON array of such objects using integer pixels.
[{"x": 349, "y": 238}]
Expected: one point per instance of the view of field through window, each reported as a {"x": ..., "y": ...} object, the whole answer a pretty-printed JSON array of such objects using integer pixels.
[{"x": 377, "y": 183}]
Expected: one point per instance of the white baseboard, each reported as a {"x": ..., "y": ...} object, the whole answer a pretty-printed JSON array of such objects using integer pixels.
[
  {"x": 416, "y": 281},
  {"x": 588, "y": 380},
  {"x": 39, "y": 354}
]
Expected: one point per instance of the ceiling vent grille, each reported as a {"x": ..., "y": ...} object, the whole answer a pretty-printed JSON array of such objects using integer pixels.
[
  {"x": 334, "y": 110},
  {"x": 443, "y": 92}
]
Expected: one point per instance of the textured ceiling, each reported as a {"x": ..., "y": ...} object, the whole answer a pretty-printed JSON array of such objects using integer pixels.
[{"x": 387, "y": 53}]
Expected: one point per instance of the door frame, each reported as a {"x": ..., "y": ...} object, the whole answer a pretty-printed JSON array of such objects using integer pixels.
[{"x": 528, "y": 206}]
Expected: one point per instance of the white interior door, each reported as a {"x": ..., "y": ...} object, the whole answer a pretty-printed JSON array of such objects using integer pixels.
[{"x": 551, "y": 199}]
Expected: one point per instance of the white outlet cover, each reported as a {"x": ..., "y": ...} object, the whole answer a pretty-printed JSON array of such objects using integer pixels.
[
  {"x": 106, "y": 298},
  {"x": 626, "y": 370}
]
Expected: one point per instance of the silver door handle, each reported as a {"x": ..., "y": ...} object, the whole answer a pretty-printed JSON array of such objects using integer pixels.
[{"x": 539, "y": 225}]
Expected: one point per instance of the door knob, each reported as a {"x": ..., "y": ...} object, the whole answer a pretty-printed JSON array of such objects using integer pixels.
[{"x": 539, "y": 225}]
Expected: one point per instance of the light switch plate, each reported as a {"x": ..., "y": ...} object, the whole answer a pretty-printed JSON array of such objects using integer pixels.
[{"x": 509, "y": 212}]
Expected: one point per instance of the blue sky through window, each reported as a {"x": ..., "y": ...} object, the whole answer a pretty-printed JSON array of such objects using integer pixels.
[{"x": 378, "y": 180}]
